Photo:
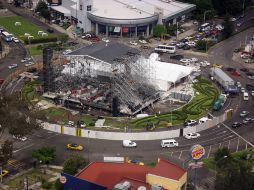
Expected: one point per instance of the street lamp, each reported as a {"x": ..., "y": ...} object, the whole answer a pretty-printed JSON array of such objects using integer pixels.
[{"x": 217, "y": 163}]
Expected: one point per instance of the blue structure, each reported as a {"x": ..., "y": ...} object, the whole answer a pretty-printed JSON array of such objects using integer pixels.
[{"x": 74, "y": 183}]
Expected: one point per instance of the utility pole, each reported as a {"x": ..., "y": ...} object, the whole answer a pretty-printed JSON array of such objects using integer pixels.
[{"x": 243, "y": 7}]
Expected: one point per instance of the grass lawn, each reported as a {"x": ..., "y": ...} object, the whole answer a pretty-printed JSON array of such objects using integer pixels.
[
  {"x": 26, "y": 27},
  {"x": 33, "y": 177},
  {"x": 34, "y": 50}
]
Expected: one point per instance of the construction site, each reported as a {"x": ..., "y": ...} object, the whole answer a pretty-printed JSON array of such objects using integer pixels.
[{"x": 110, "y": 77}]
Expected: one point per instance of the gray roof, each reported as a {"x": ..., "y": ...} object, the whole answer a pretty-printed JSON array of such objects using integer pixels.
[
  {"x": 222, "y": 74},
  {"x": 107, "y": 53}
]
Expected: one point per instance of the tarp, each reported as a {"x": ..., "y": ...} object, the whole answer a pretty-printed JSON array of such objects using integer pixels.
[{"x": 62, "y": 9}]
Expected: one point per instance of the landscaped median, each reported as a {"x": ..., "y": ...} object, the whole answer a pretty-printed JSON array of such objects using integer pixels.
[
  {"x": 23, "y": 28},
  {"x": 206, "y": 94}
]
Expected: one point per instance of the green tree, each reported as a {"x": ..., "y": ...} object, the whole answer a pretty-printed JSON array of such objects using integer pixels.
[
  {"x": 159, "y": 29},
  {"x": 42, "y": 8},
  {"x": 228, "y": 27},
  {"x": 6, "y": 152},
  {"x": 73, "y": 163},
  {"x": 202, "y": 45},
  {"x": 45, "y": 154},
  {"x": 16, "y": 117},
  {"x": 223, "y": 7},
  {"x": 59, "y": 185}
]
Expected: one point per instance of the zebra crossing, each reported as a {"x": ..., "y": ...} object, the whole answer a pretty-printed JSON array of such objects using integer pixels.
[{"x": 15, "y": 164}]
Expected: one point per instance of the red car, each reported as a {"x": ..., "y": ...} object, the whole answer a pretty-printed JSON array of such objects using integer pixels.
[
  {"x": 1, "y": 81},
  {"x": 236, "y": 73}
]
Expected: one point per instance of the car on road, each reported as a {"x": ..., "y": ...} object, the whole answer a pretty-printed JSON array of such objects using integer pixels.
[
  {"x": 192, "y": 135},
  {"x": 105, "y": 40},
  {"x": 236, "y": 50},
  {"x": 190, "y": 122},
  {"x": 239, "y": 24},
  {"x": 20, "y": 138},
  {"x": 247, "y": 120},
  {"x": 136, "y": 162},
  {"x": 252, "y": 92},
  {"x": 236, "y": 73},
  {"x": 4, "y": 173},
  {"x": 12, "y": 66},
  {"x": 217, "y": 65},
  {"x": 249, "y": 87},
  {"x": 133, "y": 43},
  {"x": 71, "y": 123},
  {"x": 185, "y": 60},
  {"x": 67, "y": 51},
  {"x": 74, "y": 146},
  {"x": 142, "y": 41},
  {"x": 169, "y": 143},
  {"x": 250, "y": 77},
  {"x": 29, "y": 64},
  {"x": 242, "y": 89},
  {"x": 186, "y": 47},
  {"x": 244, "y": 70},
  {"x": 129, "y": 144},
  {"x": 238, "y": 84},
  {"x": 249, "y": 61},
  {"x": 236, "y": 124},
  {"x": 244, "y": 113}
]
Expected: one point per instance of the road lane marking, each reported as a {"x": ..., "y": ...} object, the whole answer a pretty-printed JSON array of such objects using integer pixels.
[
  {"x": 246, "y": 146},
  {"x": 228, "y": 137},
  {"x": 15, "y": 151},
  {"x": 238, "y": 135},
  {"x": 180, "y": 155},
  {"x": 237, "y": 144},
  {"x": 208, "y": 154},
  {"x": 219, "y": 145},
  {"x": 229, "y": 144}
]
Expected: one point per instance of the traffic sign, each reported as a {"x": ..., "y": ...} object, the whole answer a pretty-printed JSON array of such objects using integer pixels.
[{"x": 63, "y": 179}]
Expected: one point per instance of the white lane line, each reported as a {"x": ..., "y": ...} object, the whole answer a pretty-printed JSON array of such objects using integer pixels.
[
  {"x": 15, "y": 151},
  {"x": 246, "y": 146},
  {"x": 180, "y": 154},
  {"x": 228, "y": 137},
  {"x": 248, "y": 142},
  {"x": 209, "y": 151},
  {"x": 219, "y": 145},
  {"x": 237, "y": 144},
  {"x": 229, "y": 144}
]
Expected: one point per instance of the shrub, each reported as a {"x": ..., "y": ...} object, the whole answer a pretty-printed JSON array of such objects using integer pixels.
[{"x": 40, "y": 40}]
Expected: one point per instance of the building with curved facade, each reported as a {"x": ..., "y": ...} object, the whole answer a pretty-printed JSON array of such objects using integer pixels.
[{"x": 123, "y": 17}]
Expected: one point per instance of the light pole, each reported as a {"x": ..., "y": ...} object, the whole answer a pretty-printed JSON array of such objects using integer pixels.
[
  {"x": 88, "y": 147},
  {"x": 243, "y": 7}
]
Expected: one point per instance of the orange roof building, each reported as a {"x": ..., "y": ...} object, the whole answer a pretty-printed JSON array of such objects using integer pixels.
[{"x": 111, "y": 176}]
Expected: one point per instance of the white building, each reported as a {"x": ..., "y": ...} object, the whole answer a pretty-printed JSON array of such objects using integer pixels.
[{"x": 123, "y": 17}]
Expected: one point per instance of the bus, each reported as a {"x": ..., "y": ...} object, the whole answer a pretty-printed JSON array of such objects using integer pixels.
[
  {"x": 7, "y": 37},
  {"x": 165, "y": 49}
]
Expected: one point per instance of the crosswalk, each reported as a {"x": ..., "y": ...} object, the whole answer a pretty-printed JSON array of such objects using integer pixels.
[{"x": 15, "y": 164}]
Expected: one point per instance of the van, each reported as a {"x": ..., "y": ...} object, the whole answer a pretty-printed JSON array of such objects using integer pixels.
[
  {"x": 245, "y": 96},
  {"x": 169, "y": 143},
  {"x": 203, "y": 120}
]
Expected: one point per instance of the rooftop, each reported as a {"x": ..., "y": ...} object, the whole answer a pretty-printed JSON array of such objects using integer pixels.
[
  {"x": 109, "y": 174},
  {"x": 174, "y": 171},
  {"x": 107, "y": 53},
  {"x": 136, "y": 9}
]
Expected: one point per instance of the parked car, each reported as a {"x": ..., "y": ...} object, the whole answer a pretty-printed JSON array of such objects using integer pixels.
[
  {"x": 250, "y": 77},
  {"x": 136, "y": 162},
  {"x": 249, "y": 61},
  {"x": 105, "y": 40},
  {"x": 16, "y": 40},
  {"x": 247, "y": 120},
  {"x": 71, "y": 123},
  {"x": 129, "y": 144},
  {"x": 252, "y": 92},
  {"x": 244, "y": 113},
  {"x": 29, "y": 64},
  {"x": 190, "y": 122},
  {"x": 169, "y": 143},
  {"x": 192, "y": 135},
  {"x": 133, "y": 43},
  {"x": 19, "y": 138},
  {"x": 236, "y": 73},
  {"x": 236, "y": 124},
  {"x": 12, "y": 66},
  {"x": 217, "y": 65},
  {"x": 73, "y": 146}
]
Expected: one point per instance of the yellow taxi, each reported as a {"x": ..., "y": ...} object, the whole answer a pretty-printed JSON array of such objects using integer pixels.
[
  {"x": 73, "y": 146},
  {"x": 4, "y": 173},
  {"x": 217, "y": 65},
  {"x": 136, "y": 162}
]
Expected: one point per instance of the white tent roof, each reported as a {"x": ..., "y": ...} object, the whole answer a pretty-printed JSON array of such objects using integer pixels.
[
  {"x": 168, "y": 71},
  {"x": 62, "y": 9}
]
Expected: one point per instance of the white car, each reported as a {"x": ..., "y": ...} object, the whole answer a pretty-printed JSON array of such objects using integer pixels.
[
  {"x": 242, "y": 90},
  {"x": 133, "y": 43},
  {"x": 29, "y": 64},
  {"x": 105, "y": 40},
  {"x": 129, "y": 143},
  {"x": 238, "y": 84},
  {"x": 71, "y": 123},
  {"x": 203, "y": 120},
  {"x": 20, "y": 138},
  {"x": 193, "y": 59},
  {"x": 251, "y": 77},
  {"x": 16, "y": 40},
  {"x": 207, "y": 63},
  {"x": 185, "y": 60},
  {"x": 191, "y": 44},
  {"x": 252, "y": 92},
  {"x": 67, "y": 51},
  {"x": 192, "y": 135},
  {"x": 12, "y": 66},
  {"x": 142, "y": 41}
]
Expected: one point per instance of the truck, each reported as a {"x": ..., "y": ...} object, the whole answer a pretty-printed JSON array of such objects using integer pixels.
[
  {"x": 220, "y": 102},
  {"x": 226, "y": 82}
]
